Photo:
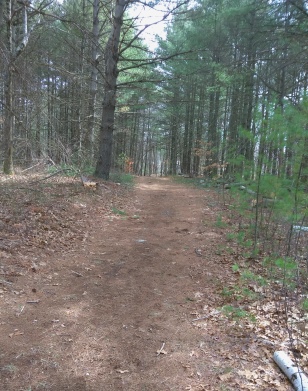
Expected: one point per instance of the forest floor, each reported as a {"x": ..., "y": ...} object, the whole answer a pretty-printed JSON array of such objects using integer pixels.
[{"x": 121, "y": 289}]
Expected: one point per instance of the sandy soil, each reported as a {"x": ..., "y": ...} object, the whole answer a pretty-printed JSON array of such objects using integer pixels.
[{"x": 132, "y": 306}]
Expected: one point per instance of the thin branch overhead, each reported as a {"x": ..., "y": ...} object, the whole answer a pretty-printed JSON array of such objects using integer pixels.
[{"x": 164, "y": 17}]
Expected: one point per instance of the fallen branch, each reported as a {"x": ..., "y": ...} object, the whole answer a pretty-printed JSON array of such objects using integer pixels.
[
  {"x": 77, "y": 274},
  {"x": 201, "y": 318},
  {"x": 161, "y": 350},
  {"x": 20, "y": 312},
  {"x": 50, "y": 176},
  {"x": 35, "y": 165},
  {"x": 296, "y": 376}
]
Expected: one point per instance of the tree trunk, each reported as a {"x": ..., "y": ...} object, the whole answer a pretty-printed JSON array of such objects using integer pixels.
[
  {"x": 9, "y": 112},
  {"x": 14, "y": 48},
  {"x": 199, "y": 131},
  {"x": 174, "y": 132},
  {"x": 89, "y": 135},
  {"x": 189, "y": 129},
  {"x": 8, "y": 168},
  {"x": 110, "y": 87}
]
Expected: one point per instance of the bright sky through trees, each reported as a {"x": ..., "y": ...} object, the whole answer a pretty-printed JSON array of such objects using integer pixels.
[{"x": 152, "y": 17}]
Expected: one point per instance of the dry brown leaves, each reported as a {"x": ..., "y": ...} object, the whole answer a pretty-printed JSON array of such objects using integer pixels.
[{"x": 41, "y": 215}]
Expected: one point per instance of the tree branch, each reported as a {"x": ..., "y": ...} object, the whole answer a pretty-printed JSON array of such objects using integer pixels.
[
  {"x": 154, "y": 61},
  {"x": 165, "y": 16}
]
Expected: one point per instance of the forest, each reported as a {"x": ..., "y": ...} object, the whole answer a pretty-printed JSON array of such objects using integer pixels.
[
  {"x": 222, "y": 94},
  {"x": 165, "y": 94}
]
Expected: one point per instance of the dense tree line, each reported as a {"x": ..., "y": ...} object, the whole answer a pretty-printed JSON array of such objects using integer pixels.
[
  {"x": 224, "y": 94},
  {"x": 241, "y": 92}
]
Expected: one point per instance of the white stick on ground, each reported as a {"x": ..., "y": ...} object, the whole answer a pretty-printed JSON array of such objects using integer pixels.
[
  {"x": 161, "y": 349},
  {"x": 296, "y": 376}
]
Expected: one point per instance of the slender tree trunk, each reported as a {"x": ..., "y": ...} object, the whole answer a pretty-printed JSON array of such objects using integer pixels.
[
  {"x": 304, "y": 164},
  {"x": 89, "y": 135},
  {"x": 189, "y": 129},
  {"x": 213, "y": 136},
  {"x": 8, "y": 125},
  {"x": 9, "y": 111},
  {"x": 141, "y": 145},
  {"x": 232, "y": 147},
  {"x": 199, "y": 131},
  {"x": 133, "y": 147},
  {"x": 13, "y": 51},
  {"x": 174, "y": 133},
  {"x": 110, "y": 87},
  {"x": 38, "y": 132}
]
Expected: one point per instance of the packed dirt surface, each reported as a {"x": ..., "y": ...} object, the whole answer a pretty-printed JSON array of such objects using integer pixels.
[{"x": 132, "y": 304}]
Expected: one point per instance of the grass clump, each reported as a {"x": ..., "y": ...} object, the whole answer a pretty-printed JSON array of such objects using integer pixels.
[{"x": 236, "y": 313}]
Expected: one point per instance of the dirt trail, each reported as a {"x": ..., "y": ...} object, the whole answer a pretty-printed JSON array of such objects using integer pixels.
[{"x": 117, "y": 314}]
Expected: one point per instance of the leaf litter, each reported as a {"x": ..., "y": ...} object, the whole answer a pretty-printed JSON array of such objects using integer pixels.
[{"x": 45, "y": 221}]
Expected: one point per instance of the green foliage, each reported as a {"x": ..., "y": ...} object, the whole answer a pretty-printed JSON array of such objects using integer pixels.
[
  {"x": 242, "y": 291},
  {"x": 242, "y": 241},
  {"x": 241, "y": 200},
  {"x": 227, "y": 292},
  {"x": 248, "y": 276},
  {"x": 273, "y": 187},
  {"x": 118, "y": 212},
  {"x": 236, "y": 313},
  {"x": 230, "y": 236},
  {"x": 304, "y": 304},
  {"x": 283, "y": 270},
  {"x": 122, "y": 158},
  {"x": 286, "y": 264},
  {"x": 219, "y": 222}
]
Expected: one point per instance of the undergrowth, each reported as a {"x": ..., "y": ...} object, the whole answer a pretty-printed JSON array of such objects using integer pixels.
[
  {"x": 269, "y": 239},
  {"x": 75, "y": 171}
]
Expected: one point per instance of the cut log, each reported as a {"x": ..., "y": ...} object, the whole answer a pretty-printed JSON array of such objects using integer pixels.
[{"x": 296, "y": 376}]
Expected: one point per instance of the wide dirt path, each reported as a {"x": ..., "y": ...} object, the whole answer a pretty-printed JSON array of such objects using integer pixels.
[{"x": 119, "y": 312}]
